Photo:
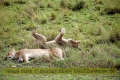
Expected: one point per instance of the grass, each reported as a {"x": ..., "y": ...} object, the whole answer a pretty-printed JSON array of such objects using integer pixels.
[{"x": 94, "y": 22}]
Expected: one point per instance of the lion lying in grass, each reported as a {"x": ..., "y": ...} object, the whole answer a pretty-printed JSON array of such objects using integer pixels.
[
  {"x": 58, "y": 40},
  {"x": 26, "y": 54}
]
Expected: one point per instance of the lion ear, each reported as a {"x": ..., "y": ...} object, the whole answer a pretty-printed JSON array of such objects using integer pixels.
[{"x": 13, "y": 50}]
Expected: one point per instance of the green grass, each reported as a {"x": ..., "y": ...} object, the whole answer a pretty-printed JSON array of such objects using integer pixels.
[{"x": 95, "y": 22}]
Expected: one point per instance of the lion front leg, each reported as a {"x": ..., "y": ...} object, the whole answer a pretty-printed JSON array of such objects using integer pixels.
[{"x": 20, "y": 60}]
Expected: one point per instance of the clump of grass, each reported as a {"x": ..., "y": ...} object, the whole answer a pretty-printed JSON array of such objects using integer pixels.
[
  {"x": 88, "y": 43},
  {"x": 5, "y": 3},
  {"x": 62, "y": 4},
  {"x": 73, "y": 5},
  {"x": 100, "y": 30},
  {"x": 51, "y": 4},
  {"x": 19, "y": 2},
  {"x": 29, "y": 11},
  {"x": 53, "y": 16},
  {"x": 95, "y": 17},
  {"x": 29, "y": 27},
  {"x": 98, "y": 1},
  {"x": 101, "y": 39},
  {"x": 114, "y": 35},
  {"x": 72, "y": 59},
  {"x": 111, "y": 7},
  {"x": 78, "y": 6},
  {"x": 98, "y": 51},
  {"x": 39, "y": 3},
  {"x": 43, "y": 21},
  {"x": 102, "y": 36},
  {"x": 118, "y": 44},
  {"x": 1, "y": 45},
  {"x": 112, "y": 11},
  {"x": 50, "y": 34},
  {"x": 11, "y": 2}
]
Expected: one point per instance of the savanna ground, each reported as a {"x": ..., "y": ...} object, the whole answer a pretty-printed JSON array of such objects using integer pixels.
[{"x": 96, "y": 23}]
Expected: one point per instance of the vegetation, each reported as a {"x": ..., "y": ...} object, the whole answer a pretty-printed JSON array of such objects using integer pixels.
[{"x": 95, "y": 22}]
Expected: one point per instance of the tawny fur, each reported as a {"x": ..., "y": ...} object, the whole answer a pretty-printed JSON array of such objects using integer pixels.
[
  {"x": 26, "y": 54},
  {"x": 58, "y": 40},
  {"x": 39, "y": 37}
]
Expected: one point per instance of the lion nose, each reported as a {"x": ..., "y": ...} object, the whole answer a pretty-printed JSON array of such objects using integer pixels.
[{"x": 9, "y": 57}]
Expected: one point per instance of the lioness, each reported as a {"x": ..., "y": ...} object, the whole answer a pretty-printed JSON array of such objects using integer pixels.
[
  {"x": 26, "y": 54},
  {"x": 58, "y": 40}
]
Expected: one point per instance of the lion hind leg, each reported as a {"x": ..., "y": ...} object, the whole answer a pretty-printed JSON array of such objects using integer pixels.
[{"x": 58, "y": 39}]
